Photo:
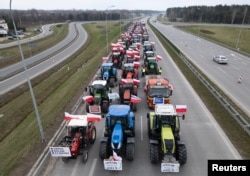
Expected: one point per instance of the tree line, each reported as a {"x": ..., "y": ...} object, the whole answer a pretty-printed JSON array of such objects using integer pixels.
[{"x": 235, "y": 14}]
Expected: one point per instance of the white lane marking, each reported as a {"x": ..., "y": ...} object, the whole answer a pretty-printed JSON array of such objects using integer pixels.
[
  {"x": 141, "y": 130},
  {"x": 91, "y": 172},
  {"x": 73, "y": 173}
]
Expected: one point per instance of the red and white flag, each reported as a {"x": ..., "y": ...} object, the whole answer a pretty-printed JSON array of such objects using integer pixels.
[
  {"x": 158, "y": 58},
  {"x": 124, "y": 81},
  {"x": 88, "y": 98},
  {"x": 170, "y": 86},
  {"x": 105, "y": 59},
  {"x": 136, "y": 64},
  {"x": 181, "y": 108},
  {"x": 88, "y": 117},
  {"x": 116, "y": 157},
  {"x": 136, "y": 81},
  {"x": 135, "y": 99}
]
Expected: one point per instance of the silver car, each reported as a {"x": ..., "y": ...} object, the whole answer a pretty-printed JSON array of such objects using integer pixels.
[{"x": 220, "y": 59}]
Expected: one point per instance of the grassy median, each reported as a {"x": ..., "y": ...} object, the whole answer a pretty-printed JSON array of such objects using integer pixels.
[{"x": 56, "y": 92}]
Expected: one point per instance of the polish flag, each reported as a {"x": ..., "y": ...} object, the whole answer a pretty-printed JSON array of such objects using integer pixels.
[
  {"x": 136, "y": 64},
  {"x": 181, "y": 108},
  {"x": 88, "y": 117},
  {"x": 135, "y": 99},
  {"x": 124, "y": 81},
  {"x": 170, "y": 86},
  {"x": 105, "y": 59},
  {"x": 158, "y": 58},
  {"x": 136, "y": 82},
  {"x": 93, "y": 117},
  {"x": 129, "y": 53},
  {"x": 152, "y": 43},
  {"x": 135, "y": 52},
  {"x": 116, "y": 157},
  {"x": 88, "y": 98}
]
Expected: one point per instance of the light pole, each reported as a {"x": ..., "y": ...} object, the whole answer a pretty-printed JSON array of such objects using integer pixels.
[
  {"x": 238, "y": 39},
  {"x": 107, "y": 27},
  {"x": 28, "y": 80}
]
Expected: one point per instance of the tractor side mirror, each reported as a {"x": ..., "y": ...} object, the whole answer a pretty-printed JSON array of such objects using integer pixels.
[{"x": 183, "y": 116}]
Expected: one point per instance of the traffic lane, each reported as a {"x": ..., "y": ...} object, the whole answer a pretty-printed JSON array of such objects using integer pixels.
[
  {"x": 201, "y": 52},
  {"x": 34, "y": 71}
]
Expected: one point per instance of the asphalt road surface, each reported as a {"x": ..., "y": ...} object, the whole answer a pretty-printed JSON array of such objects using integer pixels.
[{"x": 203, "y": 137}]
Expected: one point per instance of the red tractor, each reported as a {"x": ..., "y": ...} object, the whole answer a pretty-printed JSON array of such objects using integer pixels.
[
  {"x": 128, "y": 92},
  {"x": 130, "y": 70},
  {"x": 81, "y": 132}
]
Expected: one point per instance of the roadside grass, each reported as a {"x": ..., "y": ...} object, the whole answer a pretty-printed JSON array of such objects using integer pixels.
[
  {"x": 55, "y": 95},
  {"x": 225, "y": 35},
  {"x": 239, "y": 138},
  {"x": 12, "y": 55}
]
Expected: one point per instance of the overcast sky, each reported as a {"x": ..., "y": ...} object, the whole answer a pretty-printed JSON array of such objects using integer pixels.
[{"x": 160, "y": 5}]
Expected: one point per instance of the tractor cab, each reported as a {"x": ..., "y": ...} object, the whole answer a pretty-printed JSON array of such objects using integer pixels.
[{"x": 151, "y": 66}]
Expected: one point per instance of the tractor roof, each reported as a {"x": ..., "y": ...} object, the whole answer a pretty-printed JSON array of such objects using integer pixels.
[
  {"x": 78, "y": 122},
  {"x": 157, "y": 81},
  {"x": 107, "y": 64},
  {"x": 165, "y": 109},
  {"x": 129, "y": 65},
  {"x": 100, "y": 82},
  {"x": 119, "y": 110}
]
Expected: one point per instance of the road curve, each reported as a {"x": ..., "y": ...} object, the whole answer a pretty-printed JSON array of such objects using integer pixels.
[{"x": 34, "y": 71}]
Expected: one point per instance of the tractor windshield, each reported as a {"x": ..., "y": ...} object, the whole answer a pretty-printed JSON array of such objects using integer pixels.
[
  {"x": 106, "y": 68},
  {"x": 121, "y": 120},
  {"x": 159, "y": 91}
]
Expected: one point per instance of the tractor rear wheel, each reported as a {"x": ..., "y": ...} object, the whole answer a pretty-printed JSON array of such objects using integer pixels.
[
  {"x": 130, "y": 152},
  {"x": 182, "y": 154},
  {"x": 93, "y": 137},
  {"x": 105, "y": 106},
  {"x": 103, "y": 151},
  {"x": 87, "y": 107},
  {"x": 154, "y": 153},
  {"x": 112, "y": 82},
  {"x": 134, "y": 108},
  {"x": 149, "y": 132}
]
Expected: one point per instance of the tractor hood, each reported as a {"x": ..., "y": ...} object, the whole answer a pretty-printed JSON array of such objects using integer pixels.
[
  {"x": 117, "y": 137},
  {"x": 167, "y": 138},
  {"x": 105, "y": 75}
]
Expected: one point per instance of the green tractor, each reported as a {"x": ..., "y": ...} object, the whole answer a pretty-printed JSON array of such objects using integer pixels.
[
  {"x": 163, "y": 132},
  {"x": 98, "y": 99}
]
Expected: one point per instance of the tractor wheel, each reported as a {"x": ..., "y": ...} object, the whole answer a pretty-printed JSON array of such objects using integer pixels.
[
  {"x": 182, "y": 154},
  {"x": 130, "y": 152},
  {"x": 93, "y": 137},
  {"x": 105, "y": 106},
  {"x": 65, "y": 159},
  {"x": 154, "y": 153},
  {"x": 85, "y": 156},
  {"x": 103, "y": 151},
  {"x": 112, "y": 82},
  {"x": 134, "y": 108},
  {"x": 87, "y": 107},
  {"x": 149, "y": 133}
]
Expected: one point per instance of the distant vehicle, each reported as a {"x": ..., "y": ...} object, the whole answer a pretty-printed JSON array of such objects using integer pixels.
[{"x": 220, "y": 59}]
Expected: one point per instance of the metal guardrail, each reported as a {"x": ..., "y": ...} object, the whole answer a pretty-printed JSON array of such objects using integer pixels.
[{"x": 222, "y": 99}]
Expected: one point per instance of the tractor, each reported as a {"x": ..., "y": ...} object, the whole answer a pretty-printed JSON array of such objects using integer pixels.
[
  {"x": 130, "y": 70},
  {"x": 158, "y": 90},
  {"x": 98, "y": 99},
  {"x": 164, "y": 135},
  {"x": 148, "y": 54},
  {"x": 119, "y": 137},
  {"x": 116, "y": 59},
  {"x": 128, "y": 92},
  {"x": 80, "y": 134},
  {"x": 148, "y": 46},
  {"x": 152, "y": 66},
  {"x": 109, "y": 73}
]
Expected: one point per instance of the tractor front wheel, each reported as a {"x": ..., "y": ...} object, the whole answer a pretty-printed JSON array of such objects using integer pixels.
[
  {"x": 105, "y": 106},
  {"x": 182, "y": 154},
  {"x": 130, "y": 152},
  {"x": 65, "y": 159},
  {"x": 154, "y": 153},
  {"x": 103, "y": 151},
  {"x": 85, "y": 156},
  {"x": 93, "y": 137}
]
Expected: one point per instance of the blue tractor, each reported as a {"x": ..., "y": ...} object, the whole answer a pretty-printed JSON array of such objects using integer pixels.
[
  {"x": 119, "y": 135},
  {"x": 109, "y": 73}
]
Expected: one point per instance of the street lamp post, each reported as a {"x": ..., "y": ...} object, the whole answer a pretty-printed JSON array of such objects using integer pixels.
[
  {"x": 107, "y": 27},
  {"x": 28, "y": 80},
  {"x": 238, "y": 39}
]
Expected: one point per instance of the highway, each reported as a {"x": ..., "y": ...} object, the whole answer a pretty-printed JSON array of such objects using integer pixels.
[
  {"x": 203, "y": 137},
  {"x": 18, "y": 79},
  {"x": 201, "y": 52}
]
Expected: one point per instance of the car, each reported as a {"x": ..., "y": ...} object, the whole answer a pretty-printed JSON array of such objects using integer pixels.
[{"x": 220, "y": 59}]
